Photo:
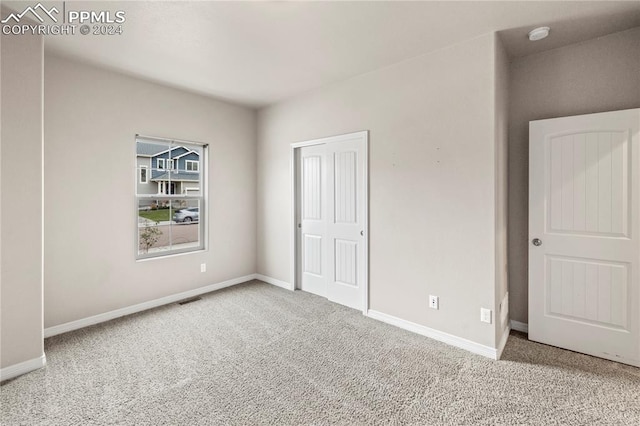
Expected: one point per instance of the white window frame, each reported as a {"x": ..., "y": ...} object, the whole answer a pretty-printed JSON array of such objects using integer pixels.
[
  {"x": 160, "y": 161},
  {"x": 146, "y": 175},
  {"x": 201, "y": 197},
  {"x": 196, "y": 162},
  {"x": 170, "y": 164}
]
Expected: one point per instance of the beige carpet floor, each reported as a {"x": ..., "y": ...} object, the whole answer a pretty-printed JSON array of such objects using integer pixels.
[{"x": 257, "y": 354}]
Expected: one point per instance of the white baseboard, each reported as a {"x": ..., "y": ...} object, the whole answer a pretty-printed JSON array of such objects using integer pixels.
[
  {"x": 503, "y": 341},
  {"x": 107, "y": 316},
  {"x": 520, "y": 326},
  {"x": 274, "y": 281},
  {"x": 21, "y": 368},
  {"x": 449, "y": 339}
]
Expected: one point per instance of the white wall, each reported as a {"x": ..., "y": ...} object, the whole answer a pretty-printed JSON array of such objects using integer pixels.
[
  {"x": 91, "y": 118},
  {"x": 432, "y": 182},
  {"x": 501, "y": 131},
  {"x": 21, "y": 194},
  {"x": 593, "y": 76}
]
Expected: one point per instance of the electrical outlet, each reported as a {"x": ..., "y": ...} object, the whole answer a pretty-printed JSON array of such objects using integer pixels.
[
  {"x": 433, "y": 302},
  {"x": 203, "y": 267},
  {"x": 485, "y": 315}
]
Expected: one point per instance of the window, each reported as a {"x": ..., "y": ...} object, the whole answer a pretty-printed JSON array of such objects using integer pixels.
[
  {"x": 144, "y": 177},
  {"x": 192, "y": 166},
  {"x": 170, "y": 203}
]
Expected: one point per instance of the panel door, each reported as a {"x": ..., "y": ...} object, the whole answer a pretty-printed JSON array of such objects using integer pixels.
[
  {"x": 346, "y": 221},
  {"x": 584, "y": 248},
  {"x": 312, "y": 214}
]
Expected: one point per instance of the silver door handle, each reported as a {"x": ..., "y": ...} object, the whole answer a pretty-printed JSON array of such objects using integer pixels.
[
  {"x": 537, "y": 242},
  {"x": 362, "y": 233}
]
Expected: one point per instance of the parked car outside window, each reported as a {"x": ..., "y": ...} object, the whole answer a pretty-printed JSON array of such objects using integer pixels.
[{"x": 186, "y": 215}]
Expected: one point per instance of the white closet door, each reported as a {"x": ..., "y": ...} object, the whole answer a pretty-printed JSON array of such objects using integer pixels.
[
  {"x": 584, "y": 230},
  {"x": 331, "y": 195},
  {"x": 346, "y": 221},
  {"x": 312, "y": 212}
]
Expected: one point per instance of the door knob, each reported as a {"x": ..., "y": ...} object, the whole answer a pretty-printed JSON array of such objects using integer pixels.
[
  {"x": 362, "y": 233},
  {"x": 537, "y": 242}
]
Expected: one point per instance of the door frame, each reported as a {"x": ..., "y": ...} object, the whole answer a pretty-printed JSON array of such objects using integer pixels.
[{"x": 293, "y": 168}]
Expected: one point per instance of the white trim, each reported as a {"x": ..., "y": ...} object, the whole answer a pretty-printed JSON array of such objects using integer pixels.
[
  {"x": 168, "y": 150},
  {"x": 170, "y": 255},
  {"x": 440, "y": 336},
  {"x": 173, "y": 140},
  {"x": 365, "y": 226},
  {"x": 273, "y": 281},
  {"x": 292, "y": 196},
  {"x": 107, "y": 316},
  {"x": 21, "y": 368},
  {"x": 293, "y": 256},
  {"x": 187, "y": 153},
  {"x": 503, "y": 341},
  {"x": 140, "y": 174},
  {"x": 186, "y": 165},
  {"x": 520, "y": 326},
  {"x": 158, "y": 164},
  {"x": 337, "y": 138}
]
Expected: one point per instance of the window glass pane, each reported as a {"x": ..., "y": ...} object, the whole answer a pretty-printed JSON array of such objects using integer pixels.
[
  {"x": 186, "y": 231},
  {"x": 192, "y": 165},
  {"x": 154, "y": 226},
  {"x": 142, "y": 180},
  {"x": 166, "y": 224},
  {"x": 151, "y": 155},
  {"x": 189, "y": 171}
]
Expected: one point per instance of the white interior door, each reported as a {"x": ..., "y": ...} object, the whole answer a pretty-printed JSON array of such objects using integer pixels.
[
  {"x": 331, "y": 242},
  {"x": 346, "y": 225},
  {"x": 584, "y": 230},
  {"x": 312, "y": 214}
]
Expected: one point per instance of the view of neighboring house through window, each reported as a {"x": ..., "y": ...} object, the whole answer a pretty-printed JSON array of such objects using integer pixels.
[
  {"x": 170, "y": 196},
  {"x": 192, "y": 166},
  {"x": 144, "y": 177}
]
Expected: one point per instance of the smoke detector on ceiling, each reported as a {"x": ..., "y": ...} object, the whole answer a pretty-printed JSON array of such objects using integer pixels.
[{"x": 539, "y": 33}]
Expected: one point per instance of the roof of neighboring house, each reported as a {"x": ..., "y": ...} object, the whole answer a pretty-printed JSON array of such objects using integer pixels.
[
  {"x": 187, "y": 153},
  {"x": 152, "y": 149},
  {"x": 149, "y": 149},
  {"x": 193, "y": 177}
]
